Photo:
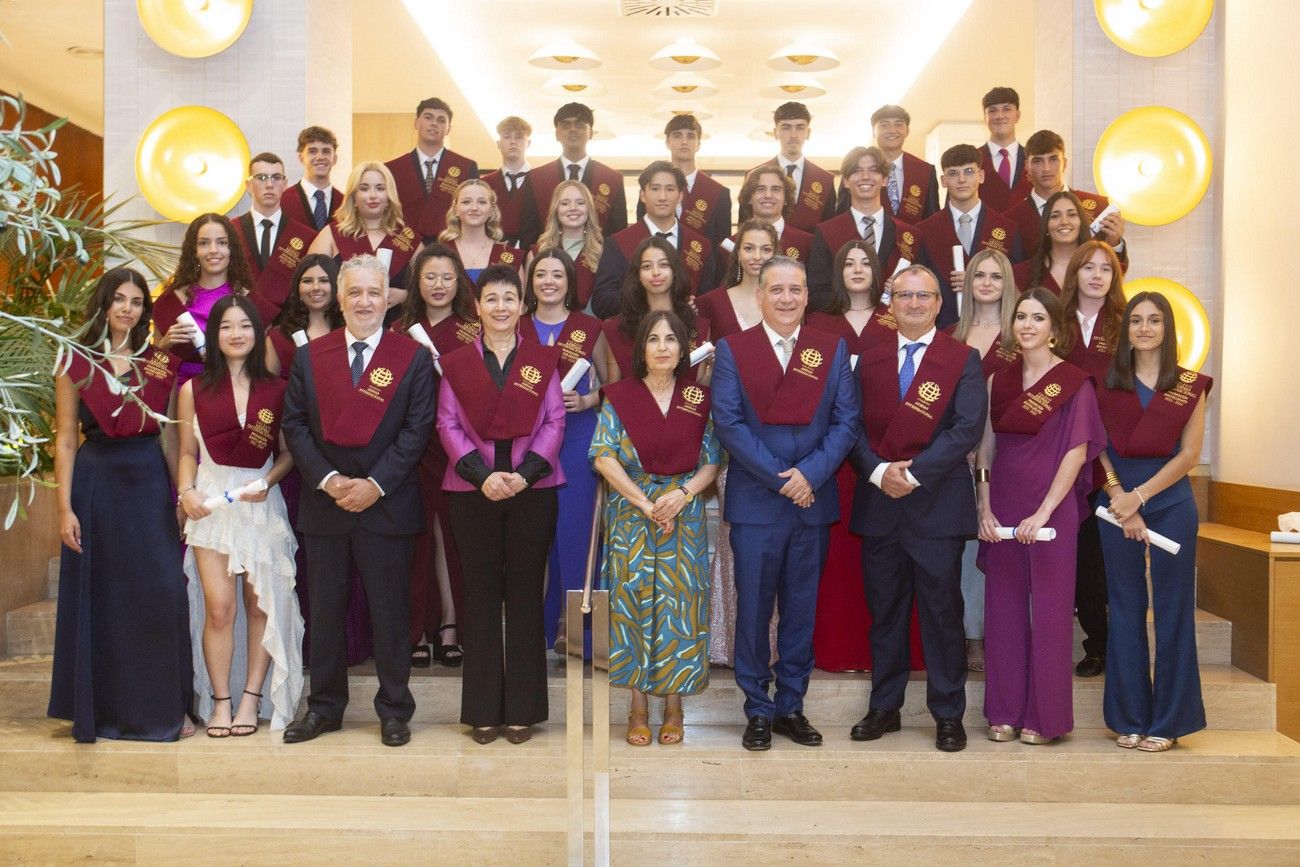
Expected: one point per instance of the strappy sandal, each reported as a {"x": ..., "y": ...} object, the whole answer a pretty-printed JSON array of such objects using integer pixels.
[
  {"x": 252, "y": 729},
  {"x": 450, "y": 655},
  {"x": 421, "y": 656},
  {"x": 1153, "y": 744},
  {"x": 638, "y": 728},
  {"x": 672, "y": 733},
  {"x": 1128, "y": 741},
  {"x": 220, "y": 731},
  {"x": 1003, "y": 733}
]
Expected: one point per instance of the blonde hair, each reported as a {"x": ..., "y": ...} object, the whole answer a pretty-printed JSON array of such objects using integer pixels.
[
  {"x": 493, "y": 227},
  {"x": 593, "y": 242},
  {"x": 1009, "y": 293},
  {"x": 350, "y": 221}
]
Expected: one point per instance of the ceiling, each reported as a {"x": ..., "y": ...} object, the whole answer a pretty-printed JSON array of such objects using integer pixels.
[{"x": 37, "y": 63}]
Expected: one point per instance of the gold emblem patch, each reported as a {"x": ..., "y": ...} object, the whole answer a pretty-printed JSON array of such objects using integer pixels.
[
  {"x": 578, "y": 336},
  {"x": 1052, "y": 390},
  {"x": 817, "y": 187},
  {"x": 1089, "y": 204},
  {"x": 604, "y": 189},
  {"x": 530, "y": 374},
  {"x": 296, "y": 243},
  {"x": 693, "y": 394},
  {"x": 1188, "y": 376},
  {"x": 701, "y": 205},
  {"x": 792, "y": 252},
  {"x": 381, "y": 377},
  {"x": 811, "y": 358},
  {"x": 265, "y": 416},
  {"x": 507, "y": 257},
  {"x": 914, "y": 190},
  {"x": 929, "y": 391},
  {"x": 908, "y": 238},
  {"x": 697, "y": 247},
  {"x": 999, "y": 234},
  {"x": 453, "y": 172}
]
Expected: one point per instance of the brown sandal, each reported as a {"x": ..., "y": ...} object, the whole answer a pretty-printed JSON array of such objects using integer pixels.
[
  {"x": 638, "y": 728},
  {"x": 672, "y": 732}
]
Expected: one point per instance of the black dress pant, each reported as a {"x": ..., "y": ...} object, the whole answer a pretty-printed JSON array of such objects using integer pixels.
[
  {"x": 1090, "y": 584},
  {"x": 503, "y": 549},
  {"x": 384, "y": 562}
]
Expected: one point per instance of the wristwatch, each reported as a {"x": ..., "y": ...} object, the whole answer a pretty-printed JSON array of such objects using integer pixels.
[{"x": 689, "y": 495}]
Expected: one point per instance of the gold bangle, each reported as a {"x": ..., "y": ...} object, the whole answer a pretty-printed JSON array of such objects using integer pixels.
[
  {"x": 686, "y": 491},
  {"x": 982, "y": 475}
]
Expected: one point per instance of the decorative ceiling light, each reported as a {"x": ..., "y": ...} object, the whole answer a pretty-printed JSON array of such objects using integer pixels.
[
  {"x": 685, "y": 53},
  {"x": 794, "y": 85},
  {"x": 191, "y": 160},
  {"x": 1153, "y": 28},
  {"x": 685, "y": 84},
  {"x": 564, "y": 53},
  {"x": 573, "y": 84},
  {"x": 194, "y": 28},
  {"x": 803, "y": 55},
  {"x": 669, "y": 111}
]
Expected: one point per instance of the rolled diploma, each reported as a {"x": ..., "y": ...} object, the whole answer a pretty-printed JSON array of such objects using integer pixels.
[
  {"x": 1095, "y": 225},
  {"x": 703, "y": 351},
  {"x": 420, "y": 336},
  {"x": 575, "y": 374},
  {"x": 200, "y": 342},
  {"x": 1284, "y": 538},
  {"x": 959, "y": 265},
  {"x": 386, "y": 256},
  {"x": 727, "y": 245},
  {"x": 300, "y": 338},
  {"x": 1164, "y": 543},
  {"x": 902, "y": 263},
  {"x": 1044, "y": 534},
  {"x": 229, "y": 497}
]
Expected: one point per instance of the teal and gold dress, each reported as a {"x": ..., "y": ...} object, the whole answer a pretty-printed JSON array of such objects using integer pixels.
[{"x": 659, "y": 585}]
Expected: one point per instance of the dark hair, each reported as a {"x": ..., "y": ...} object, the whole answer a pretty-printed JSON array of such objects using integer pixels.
[
  {"x": 575, "y": 110},
  {"x": 960, "y": 155},
  {"x": 215, "y": 368},
  {"x": 780, "y": 261},
  {"x": 633, "y": 305},
  {"x": 838, "y": 303},
  {"x": 1121, "y": 376},
  {"x": 891, "y": 112},
  {"x": 570, "y": 279},
  {"x": 317, "y": 134},
  {"x": 1055, "y": 314},
  {"x": 497, "y": 274},
  {"x": 999, "y": 95},
  {"x": 1042, "y": 261},
  {"x": 791, "y": 111},
  {"x": 750, "y": 185},
  {"x": 95, "y": 328},
  {"x": 188, "y": 269},
  {"x": 1110, "y": 318},
  {"x": 734, "y": 274},
  {"x": 294, "y": 315},
  {"x": 264, "y": 157},
  {"x": 462, "y": 304},
  {"x": 639, "y": 367},
  {"x": 682, "y": 121},
  {"x": 661, "y": 167},
  {"x": 434, "y": 103},
  {"x": 1044, "y": 142},
  {"x": 849, "y": 165}
]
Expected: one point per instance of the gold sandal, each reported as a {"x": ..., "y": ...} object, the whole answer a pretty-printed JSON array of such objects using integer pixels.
[
  {"x": 1153, "y": 744},
  {"x": 638, "y": 728},
  {"x": 672, "y": 733}
]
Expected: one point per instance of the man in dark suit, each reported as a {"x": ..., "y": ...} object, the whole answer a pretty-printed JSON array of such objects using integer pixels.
[
  {"x": 924, "y": 404},
  {"x": 786, "y": 410},
  {"x": 519, "y": 220},
  {"x": 575, "y": 124},
  {"x": 427, "y": 176},
  {"x": 357, "y": 416},
  {"x": 271, "y": 240},
  {"x": 313, "y": 199}
]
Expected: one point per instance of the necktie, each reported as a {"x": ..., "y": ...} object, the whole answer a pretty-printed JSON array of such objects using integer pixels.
[
  {"x": 319, "y": 215},
  {"x": 573, "y": 172},
  {"x": 512, "y": 180},
  {"x": 1004, "y": 168},
  {"x": 428, "y": 175},
  {"x": 892, "y": 189},
  {"x": 907, "y": 372},
  {"x": 358, "y": 363},
  {"x": 264, "y": 250},
  {"x": 786, "y": 345},
  {"x": 667, "y": 236},
  {"x": 789, "y": 170},
  {"x": 869, "y": 230},
  {"x": 964, "y": 232}
]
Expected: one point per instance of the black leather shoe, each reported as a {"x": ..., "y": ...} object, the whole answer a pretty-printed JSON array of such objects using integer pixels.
[
  {"x": 796, "y": 727},
  {"x": 875, "y": 724},
  {"x": 310, "y": 727},
  {"x": 394, "y": 732},
  {"x": 950, "y": 735},
  {"x": 758, "y": 734},
  {"x": 1090, "y": 666}
]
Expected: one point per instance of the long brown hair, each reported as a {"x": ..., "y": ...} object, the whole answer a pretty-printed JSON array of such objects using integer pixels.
[
  {"x": 838, "y": 303},
  {"x": 1007, "y": 305},
  {"x": 95, "y": 328},
  {"x": 734, "y": 275},
  {"x": 1042, "y": 261},
  {"x": 188, "y": 269},
  {"x": 634, "y": 305},
  {"x": 570, "y": 279},
  {"x": 1055, "y": 314},
  {"x": 462, "y": 304},
  {"x": 1121, "y": 375},
  {"x": 294, "y": 315},
  {"x": 1110, "y": 318}
]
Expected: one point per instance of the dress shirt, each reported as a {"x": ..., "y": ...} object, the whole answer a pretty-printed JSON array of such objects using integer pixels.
[
  {"x": 690, "y": 186},
  {"x": 773, "y": 338},
  {"x": 674, "y": 234},
  {"x": 372, "y": 343},
  {"x": 798, "y": 170},
  {"x": 424, "y": 158},
  {"x": 878, "y": 223},
  {"x": 1012, "y": 149},
  {"x": 878, "y": 474},
  {"x": 1086, "y": 325},
  {"x": 565, "y": 162},
  {"x": 974, "y": 221},
  {"x": 258, "y": 228},
  {"x": 1040, "y": 203}
]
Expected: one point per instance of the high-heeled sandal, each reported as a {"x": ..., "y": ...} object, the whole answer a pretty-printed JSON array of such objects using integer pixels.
[
  {"x": 672, "y": 733},
  {"x": 450, "y": 655},
  {"x": 1153, "y": 744},
  {"x": 1029, "y": 736},
  {"x": 220, "y": 731},
  {"x": 638, "y": 728},
  {"x": 421, "y": 656},
  {"x": 252, "y": 729}
]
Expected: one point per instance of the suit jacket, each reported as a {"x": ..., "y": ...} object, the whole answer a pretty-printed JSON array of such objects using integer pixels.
[
  {"x": 519, "y": 219},
  {"x": 994, "y": 191},
  {"x": 271, "y": 283},
  {"x": 918, "y": 198},
  {"x": 944, "y": 504},
  {"x": 389, "y": 458},
  {"x": 297, "y": 207},
  {"x": 938, "y": 237},
  {"x": 706, "y": 209},
  {"x": 618, "y": 252},
  {"x": 814, "y": 200},
  {"x": 604, "y": 183},
  {"x": 897, "y": 241},
  {"x": 759, "y": 451},
  {"x": 427, "y": 212}
]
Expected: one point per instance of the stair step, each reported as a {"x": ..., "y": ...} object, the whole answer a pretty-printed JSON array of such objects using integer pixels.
[
  {"x": 1211, "y": 767},
  {"x": 283, "y": 829},
  {"x": 30, "y": 630}
]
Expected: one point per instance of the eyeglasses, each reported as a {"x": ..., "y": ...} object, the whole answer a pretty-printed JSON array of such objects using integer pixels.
[
  {"x": 263, "y": 177},
  {"x": 445, "y": 279},
  {"x": 955, "y": 173},
  {"x": 909, "y": 295}
]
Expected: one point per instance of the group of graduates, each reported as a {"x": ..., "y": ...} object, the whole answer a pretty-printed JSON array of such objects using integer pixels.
[{"x": 424, "y": 374}]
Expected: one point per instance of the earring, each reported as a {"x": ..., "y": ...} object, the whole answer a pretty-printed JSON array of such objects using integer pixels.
[{"x": 1051, "y": 342}]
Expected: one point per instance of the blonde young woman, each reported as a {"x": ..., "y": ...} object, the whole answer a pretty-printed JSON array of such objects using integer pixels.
[
  {"x": 573, "y": 225},
  {"x": 474, "y": 230}
]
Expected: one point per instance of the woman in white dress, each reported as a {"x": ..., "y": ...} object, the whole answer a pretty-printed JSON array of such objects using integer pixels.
[{"x": 229, "y": 432}]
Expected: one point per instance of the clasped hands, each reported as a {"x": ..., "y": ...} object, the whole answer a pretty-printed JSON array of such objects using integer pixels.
[
  {"x": 894, "y": 482},
  {"x": 663, "y": 511},
  {"x": 352, "y": 495},
  {"x": 502, "y": 485},
  {"x": 797, "y": 488},
  {"x": 1124, "y": 508}
]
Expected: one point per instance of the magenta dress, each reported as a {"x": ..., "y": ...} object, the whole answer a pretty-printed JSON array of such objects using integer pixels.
[
  {"x": 1029, "y": 589},
  {"x": 200, "y": 307}
]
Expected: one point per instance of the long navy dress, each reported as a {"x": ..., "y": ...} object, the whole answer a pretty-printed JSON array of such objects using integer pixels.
[{"x": 122, "y": 643}]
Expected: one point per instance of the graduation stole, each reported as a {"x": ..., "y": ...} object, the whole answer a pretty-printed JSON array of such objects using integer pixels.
[
  {"x": 154, "y": 373},
  {"x": 501, "y": 413},
  {"x": 577, "y": 337},
  {"x": 910, "y": 195},
  {"x": 401, "y": 241},
  {"x": 586, "y": 280},
  {"x": 272, "y": 282},
  {"x": 900, "y": 430},
  {"x": 167, "y": 308},
  {"x": 695, "y": 206},
  {"x": 350, "y": 416},
  {"x": 667, "y": 445},
  {"x": 997, "y": 358},
  {"x": 812, "y": 195},
  {"x": 230, "y": 443},
  {"x": 1015, "y": 409},
  {"x": 452, "y": 333},
  {"x": 601, "y": 188},
  {"x": 504, "y": 254},
  {"x": 1152, "y": 432},
  {"x": 284, "y": 348},
  {"x": 792, "y": 396}
]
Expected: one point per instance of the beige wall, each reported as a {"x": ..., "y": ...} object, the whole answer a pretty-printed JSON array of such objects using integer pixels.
[{"x": 1259, "y": 393}]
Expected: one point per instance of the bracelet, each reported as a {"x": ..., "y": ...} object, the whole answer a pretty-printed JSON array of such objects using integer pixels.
[
  {"x": 981, "y": 475},
  {"x": 687, "y": 493},
  {"x": 181, "y": 494},
  {"x": 1141, "y": 496},
  {"x": 1113, "y": 479}
]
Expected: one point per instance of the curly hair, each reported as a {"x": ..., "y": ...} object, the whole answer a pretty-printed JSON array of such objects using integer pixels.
[{"x": 188, "y": 269}]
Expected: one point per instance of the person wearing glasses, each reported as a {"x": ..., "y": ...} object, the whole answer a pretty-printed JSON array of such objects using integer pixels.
[
  {"x": 965, "y": 221},
  {"x": 273, "y": 242}
]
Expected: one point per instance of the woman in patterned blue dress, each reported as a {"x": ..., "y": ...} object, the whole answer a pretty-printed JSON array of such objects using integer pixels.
[{"x": 654, "y": 445}]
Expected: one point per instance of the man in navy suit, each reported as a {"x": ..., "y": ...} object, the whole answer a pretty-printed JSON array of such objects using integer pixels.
[
  {"x": 357, "y": 416},
  {"x": 923, "y": 404},
  {"x": 786, "y": 410}
]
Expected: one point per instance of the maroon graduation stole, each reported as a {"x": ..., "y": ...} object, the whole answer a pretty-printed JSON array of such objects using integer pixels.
[
  {"x": 401, "y": 241},
  {"x": 1152, "y": 432},
  {"x": 699, "y": 203},
  {"x": 155, "y": 376},
  {"x": 504, "y": 254},
  {"x": 790, "y": 397},
  {"x": 349, "y": 416},
  {"x": 284, "y": 348},
  {"x": 811, "y": 199},
  {"x": 917, "y": 177},
  {"x": 272, "y": 283},
  {"x": 167, "y": 308},
  {"x": 667, "y": 445},
  {"x": 1097, "y": 355},
  {"x": 1015, "y": 409},
  {"x": 452, "y": 333},
  {"x": 586, "y": 281},
  {"x": 998, "y": 358},
  {"x": 577, "y": 338},
  {"x": 603, "y": 182},
  {"x": 900, "y": 430},
  {"x": 232, "y": 444},
  {"x": 509, "y": 412},
  {"x": 620, "y": 345},
  {"x": 716, "y": 305}
]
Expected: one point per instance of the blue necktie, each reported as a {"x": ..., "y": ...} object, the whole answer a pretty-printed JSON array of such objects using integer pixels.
[
  {"x": 907, "y": 372},
  {"x": 892, "y": 189},
  {"x": 359, "y": 363},
  {"x": 319, "y": 214}
]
